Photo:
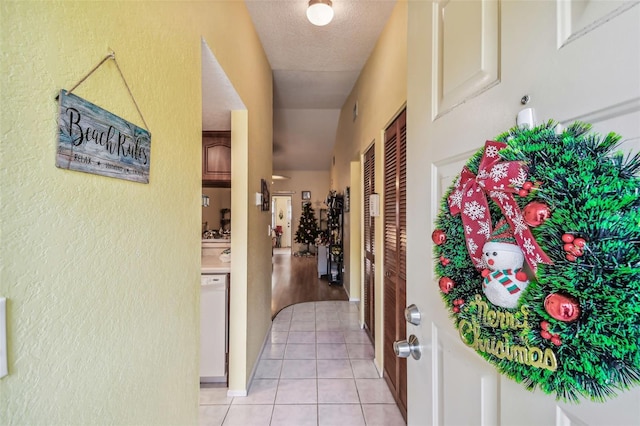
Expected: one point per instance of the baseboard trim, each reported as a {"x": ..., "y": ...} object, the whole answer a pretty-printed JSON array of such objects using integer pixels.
[{"x": 245, "y": 392}]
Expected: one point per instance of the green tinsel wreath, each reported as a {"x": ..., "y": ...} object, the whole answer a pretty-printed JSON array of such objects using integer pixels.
[{"x": 592, "y": 193}]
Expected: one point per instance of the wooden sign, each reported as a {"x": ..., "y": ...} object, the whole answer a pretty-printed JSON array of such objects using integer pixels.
[{"x": 93, "y": 140}]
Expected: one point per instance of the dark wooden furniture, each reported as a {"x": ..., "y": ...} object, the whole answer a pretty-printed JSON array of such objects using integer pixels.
[
  {"x": 335, "y": 223},
  {"x": 216, "y": 159}
]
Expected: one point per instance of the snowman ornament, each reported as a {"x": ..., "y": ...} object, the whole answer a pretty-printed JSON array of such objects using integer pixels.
[{"x": 504, "y": 281}]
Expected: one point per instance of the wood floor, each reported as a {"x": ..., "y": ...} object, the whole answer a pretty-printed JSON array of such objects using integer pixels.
[{"x": 295, "y": 279}]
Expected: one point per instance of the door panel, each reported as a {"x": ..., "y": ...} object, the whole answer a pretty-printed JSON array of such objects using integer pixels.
[
  {"x": 395, "y": 237},
  {"x": 467, "y": 51},
  {"x": 465, "y": 376},
  {"x": 470, "y": 381},
  {"x": 578, "y": 17},
  {"x": 578, "y": 60},
  {"x": 369, "y": 185}
]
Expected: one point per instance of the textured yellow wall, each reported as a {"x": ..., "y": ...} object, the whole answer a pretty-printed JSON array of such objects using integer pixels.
[
  {"x": 381, "y": 92},
  {"x": 101, "y": 274}
]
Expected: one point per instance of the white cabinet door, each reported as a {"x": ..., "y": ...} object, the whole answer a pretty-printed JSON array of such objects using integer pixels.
[
  {"x": 213, "y": 328},
  {"x": 470, "y": 63}
]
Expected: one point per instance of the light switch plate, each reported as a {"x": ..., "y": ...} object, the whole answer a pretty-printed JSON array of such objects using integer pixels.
[{"x": 3, "y": 337}]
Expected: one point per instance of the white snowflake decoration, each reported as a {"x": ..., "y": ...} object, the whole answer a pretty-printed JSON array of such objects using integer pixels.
[
  {"x": 472, "y": 245},
  {"x": 528, "y": 246},
  {"x": 483, "y": 174},
  {"x": 500, "y": 196},
  {"x": 508, "y": 210},
  {"x": 491, "y": 151},
  {"x": 474, "y": 210},
  {"x": 456, "y": 199},
  {"x": 520, "y": 180},
  {"x": 518, "y": 225},
  {"x": 499, "y": 171},
  {"x": 485, "y": 228}
]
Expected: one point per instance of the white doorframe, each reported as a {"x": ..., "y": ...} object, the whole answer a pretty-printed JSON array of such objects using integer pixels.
[{"x": 282, "y": 204}]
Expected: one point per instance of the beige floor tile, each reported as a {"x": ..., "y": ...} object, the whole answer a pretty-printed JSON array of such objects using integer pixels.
[
  {"x": 262, "y": 391},
  {"x": 340, "y": 415},
  {"x": 212, "y": 415},
  {"x": 298, "y": 369},
  {"x": 295, "y": 415},
  {"x": 382, "y": 415},
  {"x": 337, "y": 391},
  {"x": 248, "y": 415},
  {"x": 297, "y": 391}
]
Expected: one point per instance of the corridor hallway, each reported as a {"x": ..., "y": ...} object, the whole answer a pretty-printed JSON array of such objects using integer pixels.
[
  {"x": 316, "y": 367},
  {"x": 295, "y": 280}
]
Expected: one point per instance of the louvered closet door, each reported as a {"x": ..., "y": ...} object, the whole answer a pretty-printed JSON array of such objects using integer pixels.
[
  {"x": 369, "y": 185},
  {"x": 395, "y": 254}
]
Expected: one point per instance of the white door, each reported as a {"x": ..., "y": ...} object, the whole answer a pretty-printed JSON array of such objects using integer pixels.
[
  {"x": 470, "y": 64},
  {"x": 282, "y": 218}
]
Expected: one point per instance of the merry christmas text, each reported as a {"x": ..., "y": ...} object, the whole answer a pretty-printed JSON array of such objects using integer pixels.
[{"x": 472, "y": 336}]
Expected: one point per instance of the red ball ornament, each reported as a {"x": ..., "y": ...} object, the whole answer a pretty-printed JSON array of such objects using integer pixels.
[
  {"x": 535, "y": 213},
  {"x": 527, "y": 186},
  {"x": 438, "y": 236},
  {"x": 579, "y": 242},
  {"x": 455, "y": 309},
  {"x": 556, "y": 340},
  {"x": 523, "y": 192},
  {"x": 562, "y": 307},
  {"x": 446, "y": 284},
  {"x": 570, "y": 257},
  {"x": 567, "y": 238},
  {"x": 577, "y": 251},
  {"x": 544, "y": 325},
  {"x": 568, "y": 247},
  {"x": 545, "y": 334}
]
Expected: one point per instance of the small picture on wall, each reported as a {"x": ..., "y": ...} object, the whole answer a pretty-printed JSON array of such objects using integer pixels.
[
  {"x": 266, "y": 197},
  {"x": 306, "y": 195}
]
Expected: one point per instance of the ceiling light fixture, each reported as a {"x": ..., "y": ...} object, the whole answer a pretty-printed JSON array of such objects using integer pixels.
[{"x": 320, "y": 12}]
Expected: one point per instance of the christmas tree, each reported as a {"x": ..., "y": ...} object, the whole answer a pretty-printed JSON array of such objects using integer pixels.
[{"x": 307, "y": 226}]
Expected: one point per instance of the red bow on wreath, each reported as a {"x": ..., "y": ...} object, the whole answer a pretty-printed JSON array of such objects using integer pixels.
[{"x": 499, "y": 179}]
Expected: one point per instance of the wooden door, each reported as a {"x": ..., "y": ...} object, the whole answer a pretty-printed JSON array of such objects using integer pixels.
[
  {"x": 395, "y": 255},
  {"x": 369, "y": 185},
  {"x": 471, "y": 64}
]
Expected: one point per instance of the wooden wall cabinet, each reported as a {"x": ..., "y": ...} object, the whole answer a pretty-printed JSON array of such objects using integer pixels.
[{"x": 216, "y": 159}]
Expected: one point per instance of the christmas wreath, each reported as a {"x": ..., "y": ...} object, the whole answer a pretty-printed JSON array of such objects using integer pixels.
[{"x": 537, "y": 247}]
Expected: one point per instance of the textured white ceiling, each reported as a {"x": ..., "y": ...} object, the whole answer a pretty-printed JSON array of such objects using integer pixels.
[{"x": 314, "y": 70}]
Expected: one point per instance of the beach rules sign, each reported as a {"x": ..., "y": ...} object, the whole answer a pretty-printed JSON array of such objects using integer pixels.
[{"x": 93, "y": 140}]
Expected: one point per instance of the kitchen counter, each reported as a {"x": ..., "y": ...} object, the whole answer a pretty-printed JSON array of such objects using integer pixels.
[{"x": 213, "y": 265}]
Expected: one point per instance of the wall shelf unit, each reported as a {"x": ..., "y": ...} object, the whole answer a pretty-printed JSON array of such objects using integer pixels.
[{"x": 335, "y": 226}]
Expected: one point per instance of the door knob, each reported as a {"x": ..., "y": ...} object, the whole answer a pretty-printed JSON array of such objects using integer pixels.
[
  {"x": 412, "y": 314},
  {"x": 404, "y": 348}
]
